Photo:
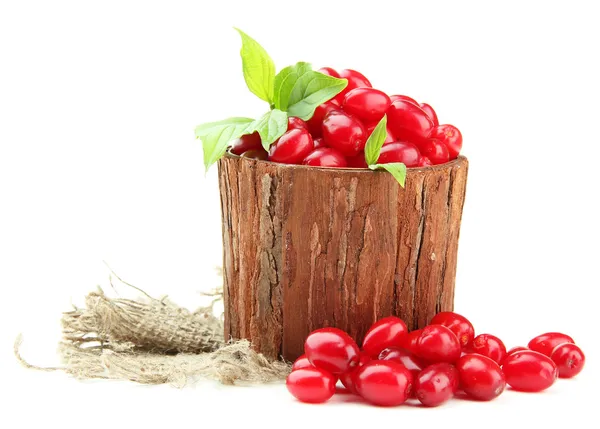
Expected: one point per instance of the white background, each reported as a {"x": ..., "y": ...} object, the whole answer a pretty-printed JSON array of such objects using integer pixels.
[{"x": 98, "y": 102}]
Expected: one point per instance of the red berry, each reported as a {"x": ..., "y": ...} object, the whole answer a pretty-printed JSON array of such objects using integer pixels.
[
  {"x": 450, "y": 136},
  {"x": 424, "y": 162},
  {"x": 408, "y": 121},
  {"x": 292, "y": 147},
  {"x": 389, "y": 138},
  {"x": 436, "y": 384},
  {"x": 295, "y": 122},
  {"x": 329, "y": 72},
  {"x": 430, "y": 112},
  {"x": 331, "y": 349},
  {"x": 355, "y": 80},
  {"x": 347, "y": 378},
  {"x": 460, "y": 325},
  {"x": 529, "y": 371},
  {"x": 411, "y": 341},
  {"x": 405, "y": 98},
  {"x": 312, "y": 385},
  {"x": 407, "y": 153},
  {"x": 546, "y": 343},
  {"x": 256, "y": 154},
  {"x": 302, "y": 362},
  {"x": 387, "y": 332},
  {"x": 319, "y": 143},
  {"x": 435, "y": 150},
  {"x": 357, "y": 161},
  {"x": 569, "y": 359},
  {"x": 480, "y": 377},
  {"x": 383, "y": 383},
  {"x": 325, "y": 157},
  {"x": 245, "y": 143},
  {"x": 438, "y": 344},
  {"x": 515, "y": 349},
  {"x": 488, "y": 345},
  {"x": 367, "y": 104},
  {"x": 315, "y": 123},
  {"x": 410, "y": 361},
  {"x": 344, "y": 133}
]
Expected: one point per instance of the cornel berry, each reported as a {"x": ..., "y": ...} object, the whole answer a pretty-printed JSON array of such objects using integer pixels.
[{"x": 429, "y": 365}]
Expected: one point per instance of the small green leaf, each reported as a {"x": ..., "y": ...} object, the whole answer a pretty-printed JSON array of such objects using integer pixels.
[
  {"x": 285, "y": 81},
  {"x": 270, "y": 126},
  {"x": 215, "y": 137},
  {"x": 375, "y": 141},
  {"x": 311, "y": 90},
  {"x": 397, "y": 169},
  {"x": 258, "y": 68}
]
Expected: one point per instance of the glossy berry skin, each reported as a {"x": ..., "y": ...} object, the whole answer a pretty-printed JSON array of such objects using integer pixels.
[
  {"x": 367, "y": 104},
  {"x": 408, "y": 121},
  {"x": 407, "y": 153},
  {"x": 450, "y": 136},
  {"x": 329, "y": 72},
  {"x": 515, "y": 349},
  {"x": 569, "y": 359},
  {"x": 438, "y": 344},
  {"x": 410, "y": 361},
  {"x": 331, "y": 349},
  {"x": 383, "y": 383},
  {"x": 325, "y": 157},
  {"x": 302, "y": 362},
  {"x": 435, "y": 150},
  {"x": 245, "y": 143},
  {"x": 529, "y": 371},
  {"x": 430, "y": 112},
  {"x": 546, "y": 343},
  {"x": 488, "y": 345},
  {"x": 347, "y": 378},
  {"x": 460, "y": 325},
  {"x": 256, "y": 154},
  {"x": 389, "y": 138},
  {"x": 357, "y": 161},
  {"x": 344, "y": 133},
  {"x": 355, "y": 80},
  {"x": 424, "y": 162},
  {"x": 387, "y": 332},
  {"x": 315, "y": 123},
  {"x": 295, "y": 122},
  {"x": 480, "y": 377},
  {"x": 411, "y": 341},
  {"x": 292, "y": 147},
  {"x": 312, "y": 385},
  {"x": 319, "y": 143},
  {"x": 405, "y": 98},
  {"x": 436, "y": 384}
]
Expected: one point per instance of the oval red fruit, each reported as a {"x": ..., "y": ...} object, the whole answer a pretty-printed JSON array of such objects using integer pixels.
[
  {"x": 387, "y": 332},
  {"x": 424, "y": 162},
  {"x": 315, "y": 123},
  {"x": 480, "y": 377},
  {"x": 435, "y": 150},
  {"x": 357, "y": 161},
  {"x": 545, "y": 343},
  {"x": 405, "y": 98},
  {"x": 529, "y": 371},
  {"x": 460, "y": 325},
  {"x": 406, "y": 153},
  {"x": 331, "y": 349},
  {"x": 410, "y": 361},
  {"x": 411, "y": 341},
  {"x": 408, "y": 121},
  {"x": 569, "y": 359},
  {"x": 367, "y": 104},
  {"x": 292, "y": 147},
  {"x": 302, "y": 362},
  {"x": 488, "y": 345},
  {"x": 383, "y": 383},
  {"x": 329, "y": 72},
  {"x": 430, "y": 112},
  {"x": 515, "y": 349},
  {"x": 355, "y": 80},
  {"x": 438, "y": 344},
  {"x": 325, "y": 157},
  {"x": 436, "y": 384},
  {"x": 450, "y": 136},
  {"x": 295, "y": 122},
  {"x": 312, "y": 385},
  {"x": 245, "y": 143},
  {"x": 347, "y": 378},
  {"x": 344, "y": 133}
]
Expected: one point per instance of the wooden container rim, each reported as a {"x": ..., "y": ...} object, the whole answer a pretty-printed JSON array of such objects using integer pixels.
[{"x": 445, "y": 166}]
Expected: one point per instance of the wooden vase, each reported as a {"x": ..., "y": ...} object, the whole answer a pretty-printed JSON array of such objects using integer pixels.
[{"x": 308, "y": 247}]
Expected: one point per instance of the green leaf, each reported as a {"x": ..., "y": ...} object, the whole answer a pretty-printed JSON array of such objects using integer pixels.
[
  {"x": 309, "y": 91},
  {"x": 397, "y": 169},
  {"x": 285, "y": 81},
  {"x": 258, "y": 68},
  {"x": 215, "y": 137},
  {"x": 270, "y": 126},
  {"x": 375, "y": 141}
]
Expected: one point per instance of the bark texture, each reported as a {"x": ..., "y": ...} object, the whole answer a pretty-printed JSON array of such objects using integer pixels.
[{"x": 305, "y": 248}]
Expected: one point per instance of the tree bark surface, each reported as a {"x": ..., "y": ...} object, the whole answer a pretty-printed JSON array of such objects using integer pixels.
[{"x": 305, "y": 248}]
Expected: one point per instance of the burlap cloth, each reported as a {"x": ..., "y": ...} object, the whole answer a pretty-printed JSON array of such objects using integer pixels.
[{"x": 154, "y": 341}]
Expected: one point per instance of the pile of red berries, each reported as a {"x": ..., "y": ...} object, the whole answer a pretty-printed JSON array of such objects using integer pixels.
[
  {"x": 336, "y": 134},
  {"x": 430, "y": 364}
]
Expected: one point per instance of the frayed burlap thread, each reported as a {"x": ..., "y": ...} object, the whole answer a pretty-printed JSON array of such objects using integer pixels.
[{"x": 153, "y": 341}]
